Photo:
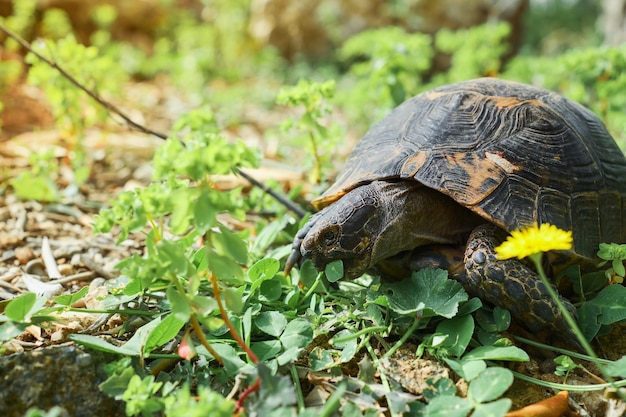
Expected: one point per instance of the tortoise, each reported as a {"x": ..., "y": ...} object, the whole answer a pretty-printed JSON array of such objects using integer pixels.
[{"x": 458, "y": 167}]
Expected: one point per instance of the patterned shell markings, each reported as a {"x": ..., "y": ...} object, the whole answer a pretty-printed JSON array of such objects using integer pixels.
[{"x": 512, "y": 153}]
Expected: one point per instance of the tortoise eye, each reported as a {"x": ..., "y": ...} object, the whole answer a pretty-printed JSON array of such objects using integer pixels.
[{"x": 329, "y": 237}]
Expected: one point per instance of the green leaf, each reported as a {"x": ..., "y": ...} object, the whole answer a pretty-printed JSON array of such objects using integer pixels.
[
  {"x": 494, "y": 409},
  {"x": 610, "y": 302},
  {"x": 399, "y": 402},
  {"x": 289, "y": 355},
  {"x": 565, "y": 365},
  {"x": 267, "y": 349},
  {"x": 264, "y": 269},
  {"x": 468, "y": 369},
  {"x": 439, "y": 387},
  {"x": 227, "y": 243},
  {"x": 22, "y": 307},
  {"x": 618, "y": 267},
  {"x": 271, "y": 322},
  {"x": 69, "y": 299},
  {"x": 28, "y": 186},
  {"x": 502, "y": 318},
  {"x": 10, "y": 330},
  {"x": 276, "y": 391},
  {"x": 179, "y": 304},
  {"x": 182, "y": 209},
  {"x": 459, "y": 331},
  {"x": 165, "y": 331},
  {"x": 348, "y": 348},
  {"x": 320, "y": 359},
  {"x": 225, "y": 269},
  {"x": 204, "y": 305},
  {"x": 298, "y": 333},
  {"x": 172, "y": 258},
  {"x": 133, "y": 288},
  {"x": 588, "y": 319},
  {"x": 97, "y": 343},
  {"x": 233, "y": 364},
  {"x": 204, "y": 213},
  {"x": 200, "y": 259},
  {"x": 497, "y": 353},
  {"x": 617, "y": 368},
  {"x": 334, "y": 270},
  {"x": 490, "y": 384},
  {"x": 448, "y": 406},
  {"x": 428, "y": 292},
  {"x": 270, "y": 290},
  {"x": 233, "y": 299},
  {"x": 612, "y": 251},
  {"x": 470, "y": 306},
  {"x": 138, "y": 340},
  {"x": 115, "y": 385},
  {"x": 268, "y": 235}
]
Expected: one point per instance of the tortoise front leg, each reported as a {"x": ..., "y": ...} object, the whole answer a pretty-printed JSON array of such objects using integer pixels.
[{"x": 512, "y": 285}]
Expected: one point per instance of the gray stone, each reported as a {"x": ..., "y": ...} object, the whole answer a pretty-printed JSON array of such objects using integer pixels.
[{"x": 66, "y": 376}]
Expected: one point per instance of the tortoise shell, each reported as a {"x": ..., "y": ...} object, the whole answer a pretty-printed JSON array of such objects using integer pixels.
[{"x": 512, "y": 153}]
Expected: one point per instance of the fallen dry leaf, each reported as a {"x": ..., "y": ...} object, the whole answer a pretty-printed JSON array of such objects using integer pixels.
[{"x": 555, "y": 406}]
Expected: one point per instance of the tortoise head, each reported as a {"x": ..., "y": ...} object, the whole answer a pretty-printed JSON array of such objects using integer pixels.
[
  {"x": 378, "y": 220},
  {"x": 346, "y": 230}
]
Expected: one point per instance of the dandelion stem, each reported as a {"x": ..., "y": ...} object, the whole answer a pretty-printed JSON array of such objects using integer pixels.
[{"x": 536, "y": 258}]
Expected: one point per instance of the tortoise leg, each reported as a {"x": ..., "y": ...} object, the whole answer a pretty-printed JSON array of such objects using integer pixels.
[
  {"x": 402, "y": 265},
  {"x": 512, "y": 285}
]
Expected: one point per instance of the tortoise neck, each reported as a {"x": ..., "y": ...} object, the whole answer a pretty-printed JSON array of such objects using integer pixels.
[{"x": 415, "y": 215}]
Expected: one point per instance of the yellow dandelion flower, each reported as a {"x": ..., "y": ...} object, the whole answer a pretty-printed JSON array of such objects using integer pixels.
[{"x": 534, "y": 239}]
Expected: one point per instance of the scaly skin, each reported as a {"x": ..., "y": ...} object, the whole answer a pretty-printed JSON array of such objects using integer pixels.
[{"x": 512, "y": 285}]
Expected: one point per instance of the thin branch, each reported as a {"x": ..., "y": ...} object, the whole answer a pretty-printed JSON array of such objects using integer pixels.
[
  {"x": 198, "y": 330},
  {"x": 110, "y": 107},
  {"x": 229, "y": 324},
  {"x": 290, "y": 205},
  {"x": 239, "y": 408}
]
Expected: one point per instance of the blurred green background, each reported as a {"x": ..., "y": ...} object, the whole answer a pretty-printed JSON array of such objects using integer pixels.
[{"x": 235, "y": 55}]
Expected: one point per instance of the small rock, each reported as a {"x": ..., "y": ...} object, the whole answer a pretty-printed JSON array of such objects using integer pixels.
[
  {"x": 66, "y": 269},
  {"x": 24, "y": 254},
  {"x": 65, "y": 376}
]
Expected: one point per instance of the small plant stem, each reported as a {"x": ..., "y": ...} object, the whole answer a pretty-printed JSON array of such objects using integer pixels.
[
  {"x": 128, "y": 312},
  {"x": 229, "y": 324},
  {"x": 403, "y": 339},
  {"x": 536, "y": 258},
  {"x": 317, "y": 170},
  {"x": 312, "y": 288},
  {"x": 592, "y": 375},
  {"x": 198, "y": 330},
  {"x": 383, "y": 377},
  {"x": 252, "y": 388},
  {"x": 163, "y": 365},
  {"x": 360, "y": 333},
  {"x": 559, "y": 350},
  {"x": 296, "y": 382},
  {"x": 568, "y": 387},
  {"x": 155, "y": 227},
  {"x": 333, "y": 402}
]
